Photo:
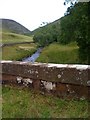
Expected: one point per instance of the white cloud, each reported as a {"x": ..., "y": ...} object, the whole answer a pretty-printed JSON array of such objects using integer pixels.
[{"x": 31, "y": 13}]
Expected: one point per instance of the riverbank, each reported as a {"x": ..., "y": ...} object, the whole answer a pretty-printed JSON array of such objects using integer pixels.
[
  {"x": 54, "y": 53},
  {"x": 60, "y": 54},
  {"x": 18, "y": 51},
  {"x": 33, "y": 57}
]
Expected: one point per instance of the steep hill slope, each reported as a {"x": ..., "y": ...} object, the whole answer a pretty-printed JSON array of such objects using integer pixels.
[
  {"x": 13, "y": 26},
  {"x": 50, "y": 26},
  {"x": 49, "y": 33},
  {"x": 8, "y": 37}
]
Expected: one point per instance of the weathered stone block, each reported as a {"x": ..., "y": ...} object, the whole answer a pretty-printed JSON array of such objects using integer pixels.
[{"x": 65, "y": 81}]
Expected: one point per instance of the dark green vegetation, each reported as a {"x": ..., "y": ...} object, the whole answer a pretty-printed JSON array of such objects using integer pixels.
[
  {"x": 13, "y": 26},
  {"x": 47, "y": 34},
  {"x": 77, "y": 23},
  {"x": 74, "y": 26},
  {"x": 18, "y": 52},
  {"x": 24, "y": 103},
  {"x": 56, "y": 53}
]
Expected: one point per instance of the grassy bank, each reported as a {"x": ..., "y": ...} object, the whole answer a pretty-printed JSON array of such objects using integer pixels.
[
  {"x": 17, "y": 52},
  {"x": 56, "y": 53},
  {"x": 24, "y": 103},
  {"x": 8, "y": 37}
]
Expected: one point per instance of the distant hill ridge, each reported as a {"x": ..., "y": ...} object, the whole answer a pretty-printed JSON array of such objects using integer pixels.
[{"x": 13, "y": 26}]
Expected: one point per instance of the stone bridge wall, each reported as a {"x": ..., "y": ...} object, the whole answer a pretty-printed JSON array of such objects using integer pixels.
[{"x": 62, "y": 80}]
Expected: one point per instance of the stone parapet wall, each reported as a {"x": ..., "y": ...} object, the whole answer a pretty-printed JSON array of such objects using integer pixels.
[{"x": 63, "y": 80}]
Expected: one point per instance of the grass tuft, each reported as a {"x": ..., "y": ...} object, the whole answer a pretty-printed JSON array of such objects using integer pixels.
[{"x": 21, "y": 102}]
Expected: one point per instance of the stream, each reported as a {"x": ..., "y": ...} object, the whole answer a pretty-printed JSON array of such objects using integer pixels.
[{"x": 33, "y": 57}]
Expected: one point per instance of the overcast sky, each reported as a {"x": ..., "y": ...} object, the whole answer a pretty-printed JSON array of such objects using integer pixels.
[{"x": 31, "y": 13}]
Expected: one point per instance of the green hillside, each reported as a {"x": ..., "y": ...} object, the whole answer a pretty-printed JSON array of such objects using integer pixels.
[
  {"x": 73, "y": 27},
  {"x": 8, "y": 37},
  {"x": 13, "y": 26},
  {"x": 48, "y": 26},
  {"x": 13, "y": 32},
  {"x": 48, "y": 33}
]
